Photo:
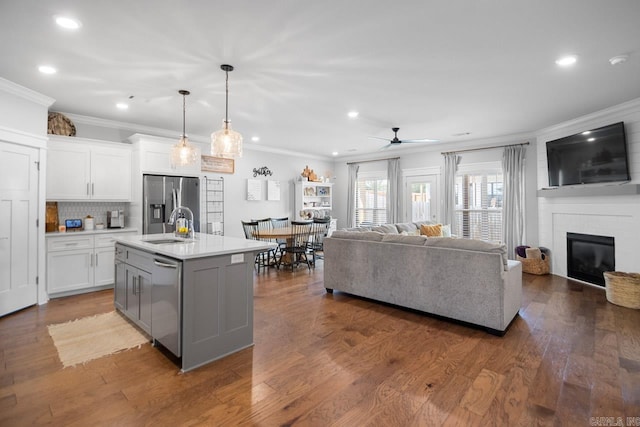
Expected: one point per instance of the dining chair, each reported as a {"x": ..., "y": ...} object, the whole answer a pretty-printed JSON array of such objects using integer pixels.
[
  {"x": 319, "y": 231},
  {"x": 281, "y": 222},
  {"x": 265, "y": 225},
  {"x": 297, "y": 245},
  {"x": 251, "y": 232}
]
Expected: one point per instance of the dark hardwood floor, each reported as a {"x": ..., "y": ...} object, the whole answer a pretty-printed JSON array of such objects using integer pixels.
[{"x": 322, "y": 359}]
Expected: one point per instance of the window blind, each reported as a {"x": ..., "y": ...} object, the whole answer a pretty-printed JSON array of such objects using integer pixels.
[
  {"x": 371, "y": 199},
  {"x": 479, "y": 204}
]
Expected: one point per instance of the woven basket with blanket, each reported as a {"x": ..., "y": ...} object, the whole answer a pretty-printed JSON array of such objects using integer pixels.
[
  {"x": 534, "y": 260},
  {"x": 623, "y": 288}
]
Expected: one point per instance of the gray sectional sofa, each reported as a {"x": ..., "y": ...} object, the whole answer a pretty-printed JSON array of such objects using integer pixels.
[{"x": 466, "y": 280}]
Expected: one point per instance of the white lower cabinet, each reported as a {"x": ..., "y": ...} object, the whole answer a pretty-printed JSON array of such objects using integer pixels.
[{"x": 79, "y": 263}]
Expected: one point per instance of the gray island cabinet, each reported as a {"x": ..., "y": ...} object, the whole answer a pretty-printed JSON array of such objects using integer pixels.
[{"x": 192, "y": 296}]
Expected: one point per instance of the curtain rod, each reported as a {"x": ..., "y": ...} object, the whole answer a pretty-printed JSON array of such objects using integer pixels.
[
  {"x": 482, "y": 148},
  {"x": 375, "y": 160}
]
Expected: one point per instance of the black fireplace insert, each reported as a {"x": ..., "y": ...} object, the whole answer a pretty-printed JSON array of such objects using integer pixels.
[{"x": 589, "y": 256}]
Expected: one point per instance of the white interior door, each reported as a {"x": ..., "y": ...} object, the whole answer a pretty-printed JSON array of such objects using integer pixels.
[
  {"x": 421, "y": 198},
  {"x": 18, "y": 232}
]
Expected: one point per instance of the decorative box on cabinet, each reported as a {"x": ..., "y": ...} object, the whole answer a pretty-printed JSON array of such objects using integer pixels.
[{"x": 84, "y": 169}]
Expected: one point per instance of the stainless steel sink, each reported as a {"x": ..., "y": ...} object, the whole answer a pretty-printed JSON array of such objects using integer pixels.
[{"x": 164, "y": 241}]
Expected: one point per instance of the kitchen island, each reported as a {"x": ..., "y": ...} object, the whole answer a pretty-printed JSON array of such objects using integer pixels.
[{"x": 194, "y": 296}]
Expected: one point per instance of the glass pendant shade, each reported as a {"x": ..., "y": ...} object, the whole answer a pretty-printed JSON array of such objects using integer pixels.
[
  {"x": 183, "y": 153},
  {"x": 226, "y": 142}
]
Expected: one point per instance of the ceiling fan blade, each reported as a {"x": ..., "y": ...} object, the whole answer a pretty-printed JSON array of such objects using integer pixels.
[
  {"x": 419, "y": 140},
  {"x": 386, "y": 147},
  {"x": 377, "y": 137}
]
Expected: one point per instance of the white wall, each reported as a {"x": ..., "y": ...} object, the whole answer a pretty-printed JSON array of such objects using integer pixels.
[{"x": 616, "y": 216}]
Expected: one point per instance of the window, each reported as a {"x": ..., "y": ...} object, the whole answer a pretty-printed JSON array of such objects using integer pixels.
[
  {"x": 371, "y": 198},
  {"x": 479, "y": 202}
]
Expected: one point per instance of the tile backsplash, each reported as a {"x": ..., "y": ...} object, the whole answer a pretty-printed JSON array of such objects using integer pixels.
[{"x": 98, "y": 210}]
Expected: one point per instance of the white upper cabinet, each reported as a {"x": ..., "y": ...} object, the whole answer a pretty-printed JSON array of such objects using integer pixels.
[
  {"x": 81, "y": 169},
  {"x": 152, "y": 154}
]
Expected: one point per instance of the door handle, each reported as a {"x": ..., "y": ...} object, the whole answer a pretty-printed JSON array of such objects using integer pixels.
[{"x": 162, "y": 264}]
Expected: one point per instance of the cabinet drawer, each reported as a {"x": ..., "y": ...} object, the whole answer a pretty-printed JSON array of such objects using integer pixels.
[
  {"x": 105, "y": 241},
  {"x": 67, "y": 243},
  {"x": 139, "y": 259}
]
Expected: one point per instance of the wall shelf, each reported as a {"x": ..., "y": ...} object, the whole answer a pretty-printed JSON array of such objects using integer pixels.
[{"x": 591, "y": 191}]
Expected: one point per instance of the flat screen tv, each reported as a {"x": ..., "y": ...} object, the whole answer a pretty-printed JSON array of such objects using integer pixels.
[{"x": 593, "y": 156}]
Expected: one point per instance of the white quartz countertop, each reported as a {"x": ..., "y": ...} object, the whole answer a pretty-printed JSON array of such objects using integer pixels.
[
  {"x": 88, "y": 232},
  {"x": 204, "y": 245}
]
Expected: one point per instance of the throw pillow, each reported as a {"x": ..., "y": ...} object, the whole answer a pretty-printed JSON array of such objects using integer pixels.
[
  {"x": 431, "y": 230},
  {"x": 446, "y": 230}
]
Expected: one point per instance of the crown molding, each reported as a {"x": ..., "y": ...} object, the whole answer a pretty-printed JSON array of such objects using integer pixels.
[
  {"x": 447, "y": 146},
  {"x": 165, "y": 133},
  {"x": 22, "y": 138},
  {"x": 25, "y": 93},
  {"x": 608, "y": 114}
]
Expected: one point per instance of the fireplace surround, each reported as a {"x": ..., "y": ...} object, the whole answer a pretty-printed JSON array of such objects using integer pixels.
[{"x": 589, "y": 256}]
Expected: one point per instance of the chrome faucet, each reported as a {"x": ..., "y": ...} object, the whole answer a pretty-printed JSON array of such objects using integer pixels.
[{"x": 172, "y": 221}]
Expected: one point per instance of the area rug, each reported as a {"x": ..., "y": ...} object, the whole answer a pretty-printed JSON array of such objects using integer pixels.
[{"x": 89, "y": 338}]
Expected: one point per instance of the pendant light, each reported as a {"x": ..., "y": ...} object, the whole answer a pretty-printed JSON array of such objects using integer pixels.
[
  {"x": 226, "y": 142},
  {"x": 183, "y": 153}
]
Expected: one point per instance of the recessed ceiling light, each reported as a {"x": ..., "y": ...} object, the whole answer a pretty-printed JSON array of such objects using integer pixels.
[
  {"x": 618, "y": 59},
  {"x": 352, "y": 114},
  {"x": 67, "y": 23},
  {"x": 122, "y": 106},
  {"x": 255, "y": 138},
  {"x": 591, "y": 139},
  {"x": 567, "y": 61},
  {"x": 586, "y": 132},
  {"x": 335, "y": 153},
  {"x": 47, "y": 69}
]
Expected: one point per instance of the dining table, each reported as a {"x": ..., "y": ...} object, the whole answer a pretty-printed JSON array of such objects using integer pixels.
[{"x": 280, "y": 233}]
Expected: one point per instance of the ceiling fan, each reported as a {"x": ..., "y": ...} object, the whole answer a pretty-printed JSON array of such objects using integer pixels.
[{"x": 396, "y": 141}]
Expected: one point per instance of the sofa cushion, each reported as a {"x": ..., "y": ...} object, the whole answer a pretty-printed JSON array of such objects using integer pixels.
[
  {"x": 373, "y": 236},
  {"x": 470, "y": 245},
  {"x": 404, "y": 239},
  {"x": 364, "y": 228},
  {"x": 446, "y": 230},
  {"x": 409, "y": 227},
  {"x": 431, "y": 230},
  {"x": 419, "y": 223},
  {"x": 386, "y": 228}
]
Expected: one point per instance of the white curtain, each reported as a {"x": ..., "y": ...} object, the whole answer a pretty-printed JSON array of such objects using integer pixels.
[
  {"x": 451, "y": 161},
  {"x": 393, "y": 190},
  {"x": 351, "y": 194},
  {"x": 513, "y": 169}
]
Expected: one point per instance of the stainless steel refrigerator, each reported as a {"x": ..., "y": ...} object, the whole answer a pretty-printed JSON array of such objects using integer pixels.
[{"x": 161, "y": 195}]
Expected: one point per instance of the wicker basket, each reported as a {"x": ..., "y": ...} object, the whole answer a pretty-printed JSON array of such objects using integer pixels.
[
  {"x": 534, "y": 266},
  {"x": 623, "y": 288}
]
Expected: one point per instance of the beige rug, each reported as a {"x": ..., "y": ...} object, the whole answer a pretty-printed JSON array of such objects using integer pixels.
[{"x": 82, "y": 340}]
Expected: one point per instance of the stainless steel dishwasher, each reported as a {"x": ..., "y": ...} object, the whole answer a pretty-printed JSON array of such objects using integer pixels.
[{"x": 166, "y": 298}]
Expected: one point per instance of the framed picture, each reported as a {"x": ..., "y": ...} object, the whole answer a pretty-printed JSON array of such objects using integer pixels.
[{"x": 217, "y": 164}]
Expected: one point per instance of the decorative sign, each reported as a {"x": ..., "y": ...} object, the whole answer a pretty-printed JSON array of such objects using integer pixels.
[
  {"x": 254, "y": 189},
  {"x": 262, "y": 171},
  {"x": 217, "y": 164},
  {"x": 273, "y": 190}
]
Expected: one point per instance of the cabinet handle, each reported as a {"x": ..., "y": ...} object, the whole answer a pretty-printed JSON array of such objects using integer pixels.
[
  {"x": 139, "y": 288},
  {"x": 71, "y": 244},
  {"x": 162, "y": 264},
  {"x": 91, "y": 261},
  {"x": 87, "y": 188},
  {"x": 134, "y": 285},
  {"x": 96, "y": 260},
  {"x": 92, "y": 189}
]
